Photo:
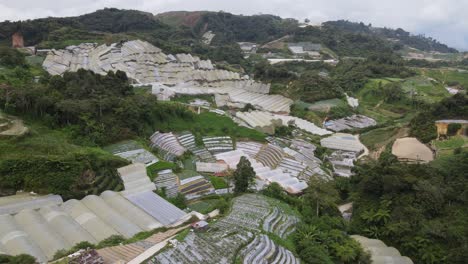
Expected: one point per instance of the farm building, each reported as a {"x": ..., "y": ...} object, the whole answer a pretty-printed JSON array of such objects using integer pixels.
[
  {"x": 342, "y": 162},
  {"x": 266, "y": 174},
  {"x": 135, "y": 178},
  {"x": 167, "y": 144},
  {"x": 169, "y": 181},
  {"x": 248, "y": 47},
  {"x": 305, "y": 48},
  {"x": 211, "y": 167},
  {"x": 200, "y": 225},
  {"x": 410, "y": 149},
  {"x": 443, "y": 127},
  {"x": 350, "y": 122},
  {"x": 344, "y": 142},
  {"x": 40, "y": 226},
  {"x": 195, "y": 186},
  {"x": 133, "y": 152}
]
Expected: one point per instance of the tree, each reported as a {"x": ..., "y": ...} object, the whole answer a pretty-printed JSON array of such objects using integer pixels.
[
  {"x": 320, "y": 193},
  {"x": 244, "y": 175},
  {"x": 19, "y": 259}
]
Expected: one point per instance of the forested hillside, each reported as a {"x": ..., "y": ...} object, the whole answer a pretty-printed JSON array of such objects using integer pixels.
[
  {"x": 182, "y": 31},
  {"x": 420, "y": 42}
]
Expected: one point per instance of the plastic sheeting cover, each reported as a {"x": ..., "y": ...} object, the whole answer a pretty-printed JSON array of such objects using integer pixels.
[{"x": 163, "y": 211}]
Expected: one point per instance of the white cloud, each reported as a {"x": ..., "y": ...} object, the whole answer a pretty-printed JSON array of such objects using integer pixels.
[{"x": 441, "y": 19}]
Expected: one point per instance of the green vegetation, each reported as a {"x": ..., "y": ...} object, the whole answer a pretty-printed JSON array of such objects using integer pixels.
[
  {"x": 98, "y": 109},
  {"x": 211, "y": 124},
  {"x": 19, "y": 259},
  {"x": 211, "y": 203},
  {"x": 424, "y": 89},
  {"x": 234, "y": 28},
  {"x": 243, "y": 176},
  {"x": 218, "y": 182},
  {"x": 182, "y": 235},
  {"x": 322, "y": 235},
  {"x": 415, "y": 208},
  {"x": 450, "y": 146},
  {"x": 153, "y": 169},
  {"x": 447, "y": 76},
  {"x": 423, "y": 127},
  {"x": 404, "y": 38},
  {"x": 183, "y": 98},
  {"x": 82, "y": 245},
  {"x": 379, "y": 137},
  {"x": 46, "y": 161},
  {"x": 11, "y": 58}
]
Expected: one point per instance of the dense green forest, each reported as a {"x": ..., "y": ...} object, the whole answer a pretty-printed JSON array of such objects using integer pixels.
[
  {"x": 234, "y": 28},
  {"x": 419, "y": 209},
  {"x": 420, "y": 42}
]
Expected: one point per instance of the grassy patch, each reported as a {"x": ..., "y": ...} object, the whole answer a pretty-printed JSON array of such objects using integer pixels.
[
  {"x": 374, "y": 106},
  {"x": 184, "y": 174},
  {"x": 425, "y": 89},
  {"x": 377, "y": 138},
  {"x": 183, "y": 98},
  {"x": 211, "y": 124},
  {"x": 203, "y": 207},
  {"x": 182, "y": 235},
  {"x": 35, "y": 60},
  {"x": 447, "y": 147},
  {"x": 218, "y": 182},
  {"x": 153, "y": 169},
  {"x": 447, "y": 76}
]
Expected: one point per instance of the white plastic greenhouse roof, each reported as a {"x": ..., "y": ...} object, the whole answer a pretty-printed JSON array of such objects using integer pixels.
[
  {"x": 163, "y": 211},
  {"x": 342, "y": 141},
  {"x": 42, "y": 231}
]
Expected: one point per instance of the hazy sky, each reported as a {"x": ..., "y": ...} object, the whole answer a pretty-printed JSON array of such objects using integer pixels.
[{"x": 445, "y": 20}]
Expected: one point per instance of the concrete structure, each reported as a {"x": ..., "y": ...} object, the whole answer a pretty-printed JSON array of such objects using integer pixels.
[{"x": 410, "y": 149}]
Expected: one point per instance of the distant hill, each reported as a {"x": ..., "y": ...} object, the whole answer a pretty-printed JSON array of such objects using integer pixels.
[
  {"x": 232, "y": 28},
  {"x": 181, "y": 31},
  {"x": 108, "y": 20},
  {"x": 181, "y": 18},
  {"x": 398, "y": 35}
]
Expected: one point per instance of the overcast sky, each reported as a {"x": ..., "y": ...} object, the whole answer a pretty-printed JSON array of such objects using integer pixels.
[{"x": 445, "y": 20}]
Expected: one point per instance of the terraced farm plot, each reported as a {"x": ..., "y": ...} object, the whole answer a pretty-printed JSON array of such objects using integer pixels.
[
  {"x": 238, "y": 236},
  {"x": 425, "y": 89},
  {"x": 373, "y": 106},
  {"x": 446, "y": 147},
  {"x": 447, "y": 76}
]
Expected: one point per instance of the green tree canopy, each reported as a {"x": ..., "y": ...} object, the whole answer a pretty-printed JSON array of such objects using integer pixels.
[{"x": 243, "y": 176}]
